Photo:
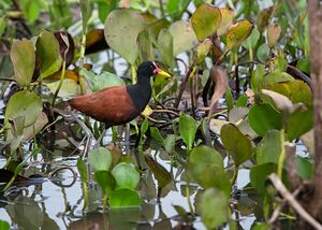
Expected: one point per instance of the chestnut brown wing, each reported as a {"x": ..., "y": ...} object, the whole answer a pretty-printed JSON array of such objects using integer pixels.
[{"x": 112, "y": 105}]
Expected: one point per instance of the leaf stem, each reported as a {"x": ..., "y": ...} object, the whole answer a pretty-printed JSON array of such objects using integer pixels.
[
  {"x": 281, "y": 159},
  {"x": 62, "y": 77}
]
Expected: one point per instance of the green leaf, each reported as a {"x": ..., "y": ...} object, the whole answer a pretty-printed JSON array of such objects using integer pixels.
[
  {"x": 105, "y": 7},
  {"x": 207, "y": 168},
  {"x": 48, "y": 54},
  {"x": 183, "y": 37},
  {"x": 187, "y": 128},
  {"x": 252, "y": 40},
  {"x": 86, "y": 11},
  {"x": 160, "y": 173},
  {"x": 263, "y": 52},
  {"x": 270, "y": 148},
  {"x": 169, "y": 143},
  {"x": 304, "y": 168},
  {"x": 176, "y": 8},
  {"x": 2, "y": 25},
  {"x": 202, "y": 51},
  {"x": 229, "y": 99},
  {"x": 297, "y": 91},
  {"x": 4, "y": 225},
  {"x": 259, "y": 175},
  {"x": 101, "y": 81},
  {"x": 238, "y": 145},
  {"x": 31, "y": 9},
  {"x": 126, "y": 175},
  {"x": 238, "y": 33},
  {"x": 263, "y": 118},
  {"x": 105, "y": 180},
  {"x": 156, "y": 135},
  {"x": 205, "y": 21},
  {"x": 145, "y": 46},
  {"x": 25, "y": 104},
  {"x": 299, "y": 123},
  {"x": 23, "y": 67},
  {"x": 82, "y": 169},
  {"x": 277, "y": 77},
  {"x": 124, "y": 24},
  {"x": 165, "y": 45},
  {"x": 124, "y": 198},
  {"x": 257, "y": 79},
  {"x": 214, "y": 208},
  {"x": 227, "y": 17},
  {"x": 100, "y": 159}
]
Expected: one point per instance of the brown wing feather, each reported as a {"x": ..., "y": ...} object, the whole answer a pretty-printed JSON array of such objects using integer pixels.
[{"x": 112, "y": 105}]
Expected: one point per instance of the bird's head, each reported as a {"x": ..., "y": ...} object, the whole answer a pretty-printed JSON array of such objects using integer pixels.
[{"x": 150, "y": 68}]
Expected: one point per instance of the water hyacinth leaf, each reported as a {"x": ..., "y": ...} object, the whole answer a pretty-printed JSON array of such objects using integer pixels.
[
  {"x": 277, "y": 77},
  {"x": 214, "y": 208},
  {"x": 205, "y": 21},
  {"x": 187, "y": 129},
  {"x": 105, "y": 180},
  {"x": 4, "y": 225},
  {"x": 238, "y": 33},
  {"x": 299, "y": 123},
  {"x": 23, "y": 67},
  {"x": 126, "y": 176},
  {"x": 160, "y": 173},
  {"x": 25, "y": 104},
  {"x": 202, "y": 51},
  {"x": 82, "y": 169},
  {"x": 48, "y": 54},
  {"x": 31, "y": 9},
  {"x": 183, "y": 37},
  {"x": 227, "y": 17},
  {"x": 105, "y": 7},
  {"x": 86, "y": 11},
  {"x": 251, "y": 41},
  {"x": 68, "y": 88},
  {"x": 165, "y": 45},
  {"x": 156, "y": 135},
  {"x": 207, "y": 168},
  {"x": 124, "y": 198},
  {"x": 257, "y": 78},
  {"x": 238, "y": 145},
  {"x": 100, "y": 159},
  {"x": 259, "y": 175},
  {"x": 101, "y": 81},
  {"x": 145, "y": 46},
  {"x": 176, "y": 8},
  {"x": 273, "y": 34},
  {"x": 263, "y": 118},
  {"x": 263, "y": 52},
  {"x": 270, "y": 148},
  {"x": 304, "y": 168},
  {"x": 169, "y": 143},
  {"x": 296, "y": 90},
  {"x": 120, "y": 24}
]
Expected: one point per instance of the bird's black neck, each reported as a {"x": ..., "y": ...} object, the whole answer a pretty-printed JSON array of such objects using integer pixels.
[{"x": 140, "y": 92}]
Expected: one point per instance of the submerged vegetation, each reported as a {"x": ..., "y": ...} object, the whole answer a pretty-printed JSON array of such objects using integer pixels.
[{"x": 231, "y": 130}]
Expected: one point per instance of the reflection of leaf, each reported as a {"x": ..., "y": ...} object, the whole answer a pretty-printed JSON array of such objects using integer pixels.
[
  {"x": 238, "y": 33},
  {"x": 48, "y": 54},
  {"x": 124, "y": 24},
  {"x": 160, "y": 173},
  {"x": 23, "y": 67},
  {"x": 207, "y": 168},
  {"x": 205, "y": 21},
  {"x": 124, "y": 198},
  {"x": 183, "y": 37},
  {"x": 126, "y": 175},
  {"x": 238, "y": 145},
  {"x": 100, "y": 159},
  {"x": 214, "y": 208}
]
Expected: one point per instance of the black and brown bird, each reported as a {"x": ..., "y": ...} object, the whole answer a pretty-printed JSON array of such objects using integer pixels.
[{"x": 119, "y": 104}]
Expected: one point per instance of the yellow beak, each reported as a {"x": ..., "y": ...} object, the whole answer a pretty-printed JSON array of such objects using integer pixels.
[{"x": 163, "y": 73}]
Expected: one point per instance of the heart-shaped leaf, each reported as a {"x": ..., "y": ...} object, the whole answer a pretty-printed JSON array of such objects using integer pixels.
[
  {"x": 187, "y": 128},
  {"x": 23, "y": 67},
  {"x": 100, "y": 159},
  {"x": 126, "y": 175},
  {"x": 124, "y": 25},
  {"x": 238, "y": 145},
  {"x": 238, "y": 33},
  {"x": 270, "y": 148},
  {"x": 124, "y": 198},
  {"x": 205, "y": 21}
]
